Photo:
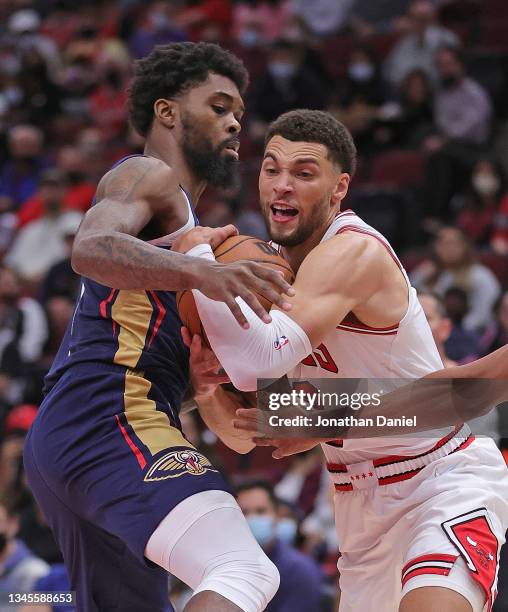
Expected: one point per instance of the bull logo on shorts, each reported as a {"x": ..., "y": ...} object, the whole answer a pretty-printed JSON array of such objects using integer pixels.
[
  {"x": 484, "y": 556},
  {"x": 179, "y": 463}
]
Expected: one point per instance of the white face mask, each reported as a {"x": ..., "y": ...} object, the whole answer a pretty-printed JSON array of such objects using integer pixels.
[
  {"x": 361, "y": 71},
  {"x": 485, "y": 184}
]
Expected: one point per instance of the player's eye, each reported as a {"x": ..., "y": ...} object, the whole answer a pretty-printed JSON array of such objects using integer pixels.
[
  {"x": 220, "y": 110},
  {"x": 270, "y": 171},
  {"x": 305, "y": 174}
]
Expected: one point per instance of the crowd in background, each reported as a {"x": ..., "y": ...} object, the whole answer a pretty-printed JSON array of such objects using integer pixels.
[{"x": 423, "y": 87}]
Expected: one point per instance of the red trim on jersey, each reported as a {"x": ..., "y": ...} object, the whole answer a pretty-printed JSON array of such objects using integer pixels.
[
  {"x": 336, "y": 468},
  {"x": 382, "y": 461},
  {"x": 336, "y": 443},
  {"x": 343, "y": 487},
  {"x": 385, "y": 480},
  {"x": 103, "y": 305},
  {"x": 367, "y": 331},
  {"x": 429, "y": 569},
  {"x": 361, "y": 230},
  {"x": 160, "y": 316},
  {"x": 351, "y": 320},
  {"x": 133, "y": 447},
  {"x": 429, "y": 557}
]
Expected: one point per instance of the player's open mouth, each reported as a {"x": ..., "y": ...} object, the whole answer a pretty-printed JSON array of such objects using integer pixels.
[{"x": 282, "y": 213}]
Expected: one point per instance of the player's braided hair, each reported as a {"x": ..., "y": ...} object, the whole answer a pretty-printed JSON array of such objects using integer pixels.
[
  {"x": 171, "y": 69},
  {"x": 317, "y": 126}
]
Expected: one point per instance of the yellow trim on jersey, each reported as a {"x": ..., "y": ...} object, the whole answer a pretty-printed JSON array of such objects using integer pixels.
[
  {"x": 132, "y": 310},
  {"x": 150, "y": 425}
]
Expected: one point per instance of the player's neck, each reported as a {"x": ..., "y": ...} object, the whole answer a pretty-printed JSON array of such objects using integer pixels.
[
  {"x": 172, "y": 155},
  {"x": 296, "y": 254}
]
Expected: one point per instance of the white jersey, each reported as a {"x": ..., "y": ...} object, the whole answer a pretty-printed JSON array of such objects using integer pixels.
[{"x": 355, "y": 350}]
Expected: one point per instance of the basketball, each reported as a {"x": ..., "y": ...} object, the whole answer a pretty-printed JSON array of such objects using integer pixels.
[{"x": 233, "y": 249}]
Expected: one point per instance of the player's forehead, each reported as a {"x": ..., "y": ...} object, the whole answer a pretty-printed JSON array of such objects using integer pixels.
[
  {"x": 284, "y": 151},
  {"x": 217, "y": 86}
]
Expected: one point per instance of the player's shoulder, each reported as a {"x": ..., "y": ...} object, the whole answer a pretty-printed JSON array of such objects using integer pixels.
[
  {"x": 351, "y": 244},
  {"x": 140, "y": 172}
]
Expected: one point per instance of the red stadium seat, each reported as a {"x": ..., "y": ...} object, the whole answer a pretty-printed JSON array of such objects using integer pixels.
[
  {"x": 498, "y": 264},
  {"x": 335, "y": 52},
  {"x": 397, "y": 169}
]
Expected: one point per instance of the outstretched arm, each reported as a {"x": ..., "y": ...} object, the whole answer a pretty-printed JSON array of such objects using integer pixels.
[{"x": 107, "y": 249}]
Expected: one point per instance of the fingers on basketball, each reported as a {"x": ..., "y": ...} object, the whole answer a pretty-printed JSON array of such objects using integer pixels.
[{"x": 234, "y": 249}]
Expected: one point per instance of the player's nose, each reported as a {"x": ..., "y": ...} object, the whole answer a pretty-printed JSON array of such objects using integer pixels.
[
  {"x": 234, "y": 126},
  {"x": 283, "y": 183}
]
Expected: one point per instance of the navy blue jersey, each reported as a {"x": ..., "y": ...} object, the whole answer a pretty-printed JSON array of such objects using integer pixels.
[{"x": 137, "y": 329}]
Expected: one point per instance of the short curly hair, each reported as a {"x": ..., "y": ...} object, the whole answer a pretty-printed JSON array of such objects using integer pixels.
[
  {"x": 317, "y": 126},
  {"x": 171, "y": 69}
]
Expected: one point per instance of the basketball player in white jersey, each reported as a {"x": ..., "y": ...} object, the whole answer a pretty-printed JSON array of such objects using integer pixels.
[{"x": 420, "y": 520}]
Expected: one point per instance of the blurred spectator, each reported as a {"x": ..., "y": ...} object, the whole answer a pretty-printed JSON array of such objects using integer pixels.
[
  {"x": 362, "y": 95},
  {"x": 463, "y": 109},
  {"x": 500, "y": 233},
  {"x": 300, "y": 483},
  {"x": 19, "y": 567},
  {"x": 481, "y": 202},
  {"x": 23, "y": 327},
  {"x": 108, "y": 102},
  {"x": 24, "y": 26},
  {"x": 56, "y": 581},
  {"x": 20, "y": 174},
  {"x": 496, "y": 334},
  {"x": 301, "y": 579},
  {"x": 453, "y": 265},
  {"x": 322, "y": 17},
  {"x": 208, "y": 20},
  {"x": 288, "y": 84},
  {"x": 41, "y": 243},
  {"x": 462, "y": 114},
  {"x": 157, "y": 28},
  {"x": 417, "y": 49},
  {"x": 318, "y": 528},
  {"x": 61, "y": 281},
  {"x": 462, "y": 344},
  {"x": 256, "y": 22},
  {"x": 79, "y": 192},
  {"x": 407, "y": 121},
  {"x": 441, "y": 327},
  {"x": 380, "y": 16},
  {"x": 41, "y": 99}
]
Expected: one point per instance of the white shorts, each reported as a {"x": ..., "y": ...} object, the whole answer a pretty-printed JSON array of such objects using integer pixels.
[{"x": 442, "y": 527}]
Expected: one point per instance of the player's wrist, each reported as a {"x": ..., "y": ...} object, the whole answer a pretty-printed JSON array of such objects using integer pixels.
[{"x": 203, "y": 250}]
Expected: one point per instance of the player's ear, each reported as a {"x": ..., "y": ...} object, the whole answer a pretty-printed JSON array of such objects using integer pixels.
[
  {"x": 340, "y": 188},
  {"x": 166, "y": 111}
]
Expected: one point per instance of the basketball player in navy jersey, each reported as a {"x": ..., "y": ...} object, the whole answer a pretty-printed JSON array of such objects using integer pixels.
[{"x": 127, "y": 496}]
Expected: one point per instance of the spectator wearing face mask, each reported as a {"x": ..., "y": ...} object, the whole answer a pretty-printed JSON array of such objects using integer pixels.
[
  {"x": 462, "y": 116},
  {"x": 301, "y": 580},
  {"x": 157, "y": 28},
  {"x": 481, "y": 202},
  {"x": 453, "y": 265},
  {"x": 19, "y": 567},
  {"x": 288, "y": 83},
  {"x": 416, "y": 50},
  {"x": 41, "y": 243}
]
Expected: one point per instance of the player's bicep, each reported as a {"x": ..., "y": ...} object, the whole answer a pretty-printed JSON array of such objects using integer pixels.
[{"x": 333, "y": 279}]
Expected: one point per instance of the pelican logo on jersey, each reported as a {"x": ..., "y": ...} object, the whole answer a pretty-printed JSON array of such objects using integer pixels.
[
  {"x": 179, "y": 463},
  {"x": 280, "y": 342}
]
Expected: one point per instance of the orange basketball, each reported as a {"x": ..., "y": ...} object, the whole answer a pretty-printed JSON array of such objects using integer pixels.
[{"x": 233, "y": 249}]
